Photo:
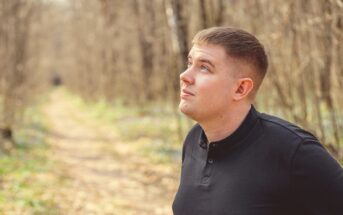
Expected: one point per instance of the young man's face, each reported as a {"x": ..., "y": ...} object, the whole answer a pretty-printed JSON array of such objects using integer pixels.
[{"x": 208, "y": 84}]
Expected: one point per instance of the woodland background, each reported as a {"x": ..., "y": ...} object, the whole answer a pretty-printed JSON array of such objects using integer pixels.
[{"x": 130, "y": 53}]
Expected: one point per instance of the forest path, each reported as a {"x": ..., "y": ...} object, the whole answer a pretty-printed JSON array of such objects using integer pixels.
[{"x": 99, "y": 173}]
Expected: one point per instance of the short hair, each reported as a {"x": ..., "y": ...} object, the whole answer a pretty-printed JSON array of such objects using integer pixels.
[{"x": 240, "y": 45}]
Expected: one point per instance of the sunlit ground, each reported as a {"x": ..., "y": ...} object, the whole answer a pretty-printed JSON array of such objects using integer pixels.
[{"x": 92, "y": 160}]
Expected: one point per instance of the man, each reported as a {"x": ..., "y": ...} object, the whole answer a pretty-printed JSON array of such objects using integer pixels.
[{"x": 237, "y": 161}]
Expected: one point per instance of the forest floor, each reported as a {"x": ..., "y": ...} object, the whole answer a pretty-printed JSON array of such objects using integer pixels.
[
  {"x": 103, "y": 174},
  {"x": 92, "y": 170}
]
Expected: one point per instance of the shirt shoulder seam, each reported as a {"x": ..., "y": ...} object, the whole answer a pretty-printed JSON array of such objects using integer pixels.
[{"x": 302, "y": 139}]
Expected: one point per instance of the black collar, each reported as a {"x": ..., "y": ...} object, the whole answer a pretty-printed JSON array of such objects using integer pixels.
[{"x": 236, "y": 137}]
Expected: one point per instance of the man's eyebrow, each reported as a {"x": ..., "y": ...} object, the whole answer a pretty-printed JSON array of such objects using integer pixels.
[
  {"x": 206, "y": 61},
  {"x": 203, "y": 60}
]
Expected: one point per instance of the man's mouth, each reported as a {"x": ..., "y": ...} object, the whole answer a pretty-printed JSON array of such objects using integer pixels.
[{"x": 186, "y": 93}]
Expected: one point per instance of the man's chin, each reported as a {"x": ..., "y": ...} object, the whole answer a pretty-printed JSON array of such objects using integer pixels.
[
  {"x": 183, "y": 107},
  {"x": 186, "y": 110}
]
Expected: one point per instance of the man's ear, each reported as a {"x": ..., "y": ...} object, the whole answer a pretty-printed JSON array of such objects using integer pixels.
[{"x": 244, "y": 87}]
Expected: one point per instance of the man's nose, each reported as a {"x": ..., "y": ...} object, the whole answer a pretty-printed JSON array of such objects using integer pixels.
[{"x": 187, "y": 76}]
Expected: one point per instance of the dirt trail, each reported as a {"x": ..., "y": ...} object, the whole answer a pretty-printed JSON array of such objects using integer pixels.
[{"x": 99, "y": 173}]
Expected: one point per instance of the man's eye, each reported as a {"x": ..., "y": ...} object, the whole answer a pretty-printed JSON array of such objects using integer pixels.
[{"x": 204, "y": 68}]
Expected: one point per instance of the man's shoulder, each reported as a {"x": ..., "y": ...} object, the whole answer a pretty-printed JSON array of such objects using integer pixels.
[{"x": 282, "y": 128}]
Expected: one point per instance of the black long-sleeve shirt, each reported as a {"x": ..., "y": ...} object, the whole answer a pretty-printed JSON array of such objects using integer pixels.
[{"x": 266, "y": 167}]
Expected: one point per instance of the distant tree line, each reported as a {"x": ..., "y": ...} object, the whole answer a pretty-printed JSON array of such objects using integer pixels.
[
  {"x": 133, "y": 51},
  {"x": 20, "y": 59}
]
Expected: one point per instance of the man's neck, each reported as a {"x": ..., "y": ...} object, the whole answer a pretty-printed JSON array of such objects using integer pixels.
[{"x": 221, "y": 127}]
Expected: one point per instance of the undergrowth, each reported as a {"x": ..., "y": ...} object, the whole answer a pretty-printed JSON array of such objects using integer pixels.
[
  {"x": 24, "y": 171},
  {"x": 154, "y": 128}
]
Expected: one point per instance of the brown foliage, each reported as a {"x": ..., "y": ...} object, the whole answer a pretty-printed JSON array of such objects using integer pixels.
[{"x": 133, "y": 51}]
